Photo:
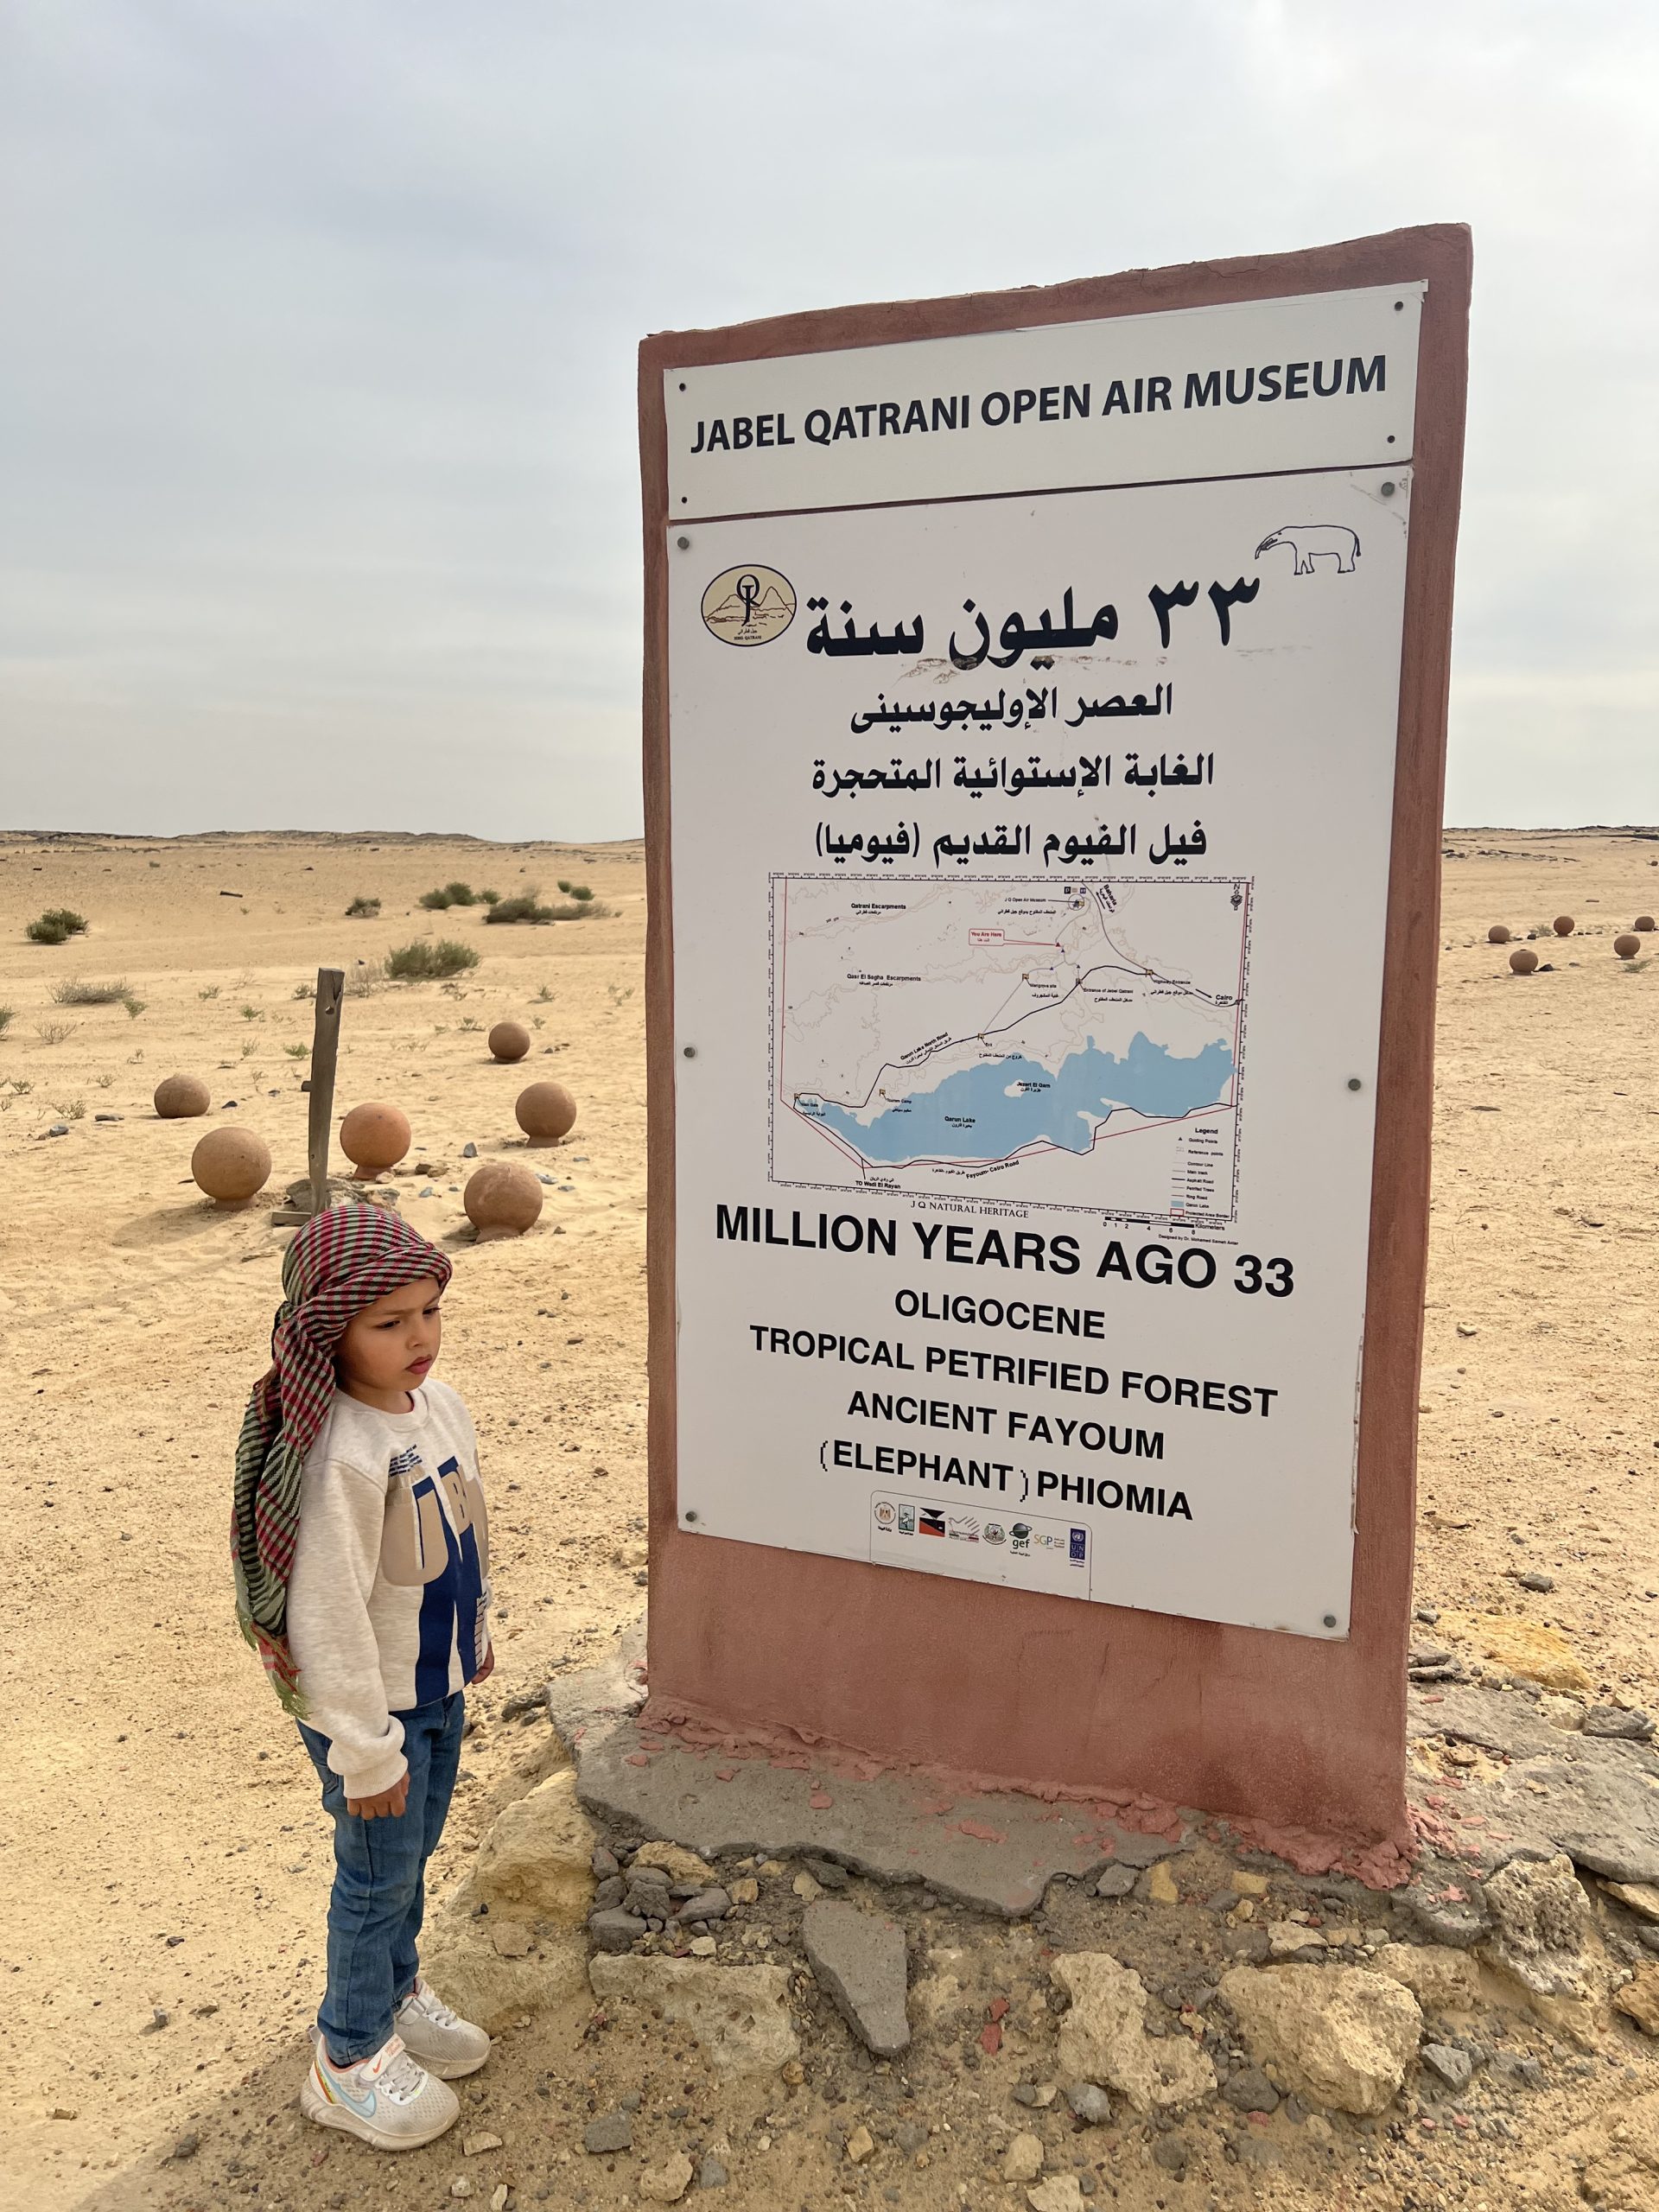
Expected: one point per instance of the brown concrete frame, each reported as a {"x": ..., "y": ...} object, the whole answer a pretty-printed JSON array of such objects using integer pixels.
[{"x": 1028, "y": 1688}]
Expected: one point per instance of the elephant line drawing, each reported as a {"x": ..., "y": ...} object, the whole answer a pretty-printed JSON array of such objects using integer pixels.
[{"x": 1312, "y": 541}]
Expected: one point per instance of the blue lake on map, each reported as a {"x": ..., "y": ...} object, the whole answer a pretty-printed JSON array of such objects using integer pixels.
[{"x": 989, "y": 1111}]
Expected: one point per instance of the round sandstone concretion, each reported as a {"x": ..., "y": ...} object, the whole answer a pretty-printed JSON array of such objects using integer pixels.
[
  {"x": 1642, "y": 922},
  {"x": 502, "y": 1199},
  {"x": 546, "y": 1112},
  {"x": 374, "y": 1136},
  {"x": 178, "y": 1098},
  {"x": 1499, "y": 934},
  {"x": 508, "y": 1040},
  {"x": 230, "y": 1165},
  {"x": 1627, "y": 947},
  {"x": 1523, "y": 960},
  {"x": 1563, "y": 925}
]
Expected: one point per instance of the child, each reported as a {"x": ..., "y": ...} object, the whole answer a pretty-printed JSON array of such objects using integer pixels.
[{"x": 362, "y": 1578}]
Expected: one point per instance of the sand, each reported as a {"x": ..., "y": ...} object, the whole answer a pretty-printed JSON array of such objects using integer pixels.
[{"x": 160, "y": 1845}]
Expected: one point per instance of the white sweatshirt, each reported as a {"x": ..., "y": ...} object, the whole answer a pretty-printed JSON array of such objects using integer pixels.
[{"x": 388, "y": 1603}]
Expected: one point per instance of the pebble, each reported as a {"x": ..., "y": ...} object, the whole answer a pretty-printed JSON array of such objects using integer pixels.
[
  {"x": 1037, "y": 2095},
  {"x": 461, "y": 2186},
  {"x": 612, "y": 2131},
  {"x": 704, "y": 1946},
  {"x": 860, "y": 2145},
  {"x": 706, "y": 1904},
  {"x": 1091, "y": 2105},
  {"x": 1428, "y": 1615},
  {"x": 609, "y": 1893},
  {"x": 712, "y": 2175},
  {"x": 1115, "y": 1881},
  {"x": 107, "y": 1117},
  {"x": 548, "y": 1179},
  {"x": 1454, "y": 2067},
  {"x": 1172, "y": 2153},
  {"x": 186, "y": 2147},
  {"x": 499, "y": 2197},
  {"x": 911, "y": 2136},
  {"x": 59, "y": 1129},
  {"x": 1250, "y": 2090},
  {"x": 1023, "y": 2159},
  {"x": 475, "y": 2145},
  {"x": 469, "y": 1152},
  {"x": 826, "y": 1874},
  {"x": 1533, "y": 1581},
  {"x": 616, "y": 1930}
]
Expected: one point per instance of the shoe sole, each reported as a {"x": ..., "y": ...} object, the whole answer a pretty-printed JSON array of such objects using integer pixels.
[{"x": 323, "y": 2114}]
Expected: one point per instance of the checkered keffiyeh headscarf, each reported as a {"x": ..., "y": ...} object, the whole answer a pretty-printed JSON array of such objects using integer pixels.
[{"x": 341, "y": 1262}]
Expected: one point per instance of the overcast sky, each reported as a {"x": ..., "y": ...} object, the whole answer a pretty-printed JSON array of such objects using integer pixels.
[{"x": 317, "y": 373}]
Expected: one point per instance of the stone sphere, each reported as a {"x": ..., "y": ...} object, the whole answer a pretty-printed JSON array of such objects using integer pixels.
[
  {"x": 374, "y": 1136},
  {"x": 178, "y": 1098},
  {"x": 508, "y": 1040},
  {"x": 1642, "y": 922},
  {"x": 1627, "y": 947},
  {"x": 1523, "y": 960},
  {"x": 230, "y": 1165},
  {"x": 1563, "y": 925},
  {"x": 1499, "y": 934},
  {"x": 545, "y": 1111},
  {"x": 502, "y": 1199}
]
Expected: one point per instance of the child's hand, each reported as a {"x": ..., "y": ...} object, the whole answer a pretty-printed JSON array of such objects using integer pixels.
[
  {"x": 388, "y": 1806},
  {"x": 488, "y": 1668}
]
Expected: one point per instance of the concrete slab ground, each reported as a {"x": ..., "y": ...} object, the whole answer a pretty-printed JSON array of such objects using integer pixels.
[{"x": 996, "y": 1851}]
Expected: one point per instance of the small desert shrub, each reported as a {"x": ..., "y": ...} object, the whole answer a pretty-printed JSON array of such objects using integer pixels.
[
  {"x": 72, "y": 1109},
  {"x": 300, "y": 991},
  {"x": 451, "y": 894},
  {"x": 363, "y": 909},
  {"x": 468, "y": 1022},
  {"x": 489, "y": 898},
  {"x": 56, "y": 927},
  {"x": 574, "y": 890},
  {"x": 249, "y": 1048},
  {"x": 53, "y": 1033},
  {"x": 76, "y": 992},
  {"x": 20, "y": 1086},
  {"x": 252, "y": 1013},
  {"x": 296, "y": 1051},
  {"x": 423, "y": 963},
  {"x": 527, "y": 909},
  {"x": 5, "y": 1020},
  {"x": 209, "y": 991},
  {"x": 106, "y": 1082},
  {"x": 134, "y": 1007},
  {"x": 544, "y": 997}
]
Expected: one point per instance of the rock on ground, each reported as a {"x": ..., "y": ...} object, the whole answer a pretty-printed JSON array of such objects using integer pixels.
[
  {"x": 1059, "y": 2193},
  {"x": 1440, "y": 1980},
  {"x": 1337, "y": 2035},
  {"x": 539, "y": 1854},
  {"x": 676, "y": 1861},
  {"x": 1023, "y": 2159},
  {"x": 1103, "y": 2036},
  {"x": 1639, "y": 1999},
  {"x": 667, "y": 2183},
  {"x": 460, "y": 1957},
  {"x": 1541, "y": 1930},
  {"x": 860, "y": 1959},
  {"x": 738, "y": 2014}
]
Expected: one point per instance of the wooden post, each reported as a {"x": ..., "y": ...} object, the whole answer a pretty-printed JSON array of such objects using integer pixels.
[{"x": 325, "y": 1052}]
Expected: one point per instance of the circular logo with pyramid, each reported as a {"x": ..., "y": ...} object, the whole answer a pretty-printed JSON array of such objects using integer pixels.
[{"x": 749, "y": 606}]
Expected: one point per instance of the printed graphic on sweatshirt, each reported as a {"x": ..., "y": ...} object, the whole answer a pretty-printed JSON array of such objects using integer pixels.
[{"x": 454, "y": 1602}]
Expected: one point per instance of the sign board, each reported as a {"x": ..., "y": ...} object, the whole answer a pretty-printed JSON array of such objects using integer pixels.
[{"x": 1024, "y": 707}]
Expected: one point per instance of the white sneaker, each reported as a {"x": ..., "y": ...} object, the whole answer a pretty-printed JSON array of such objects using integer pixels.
[
  {"x": 444, "y": 2043},
  {"x": 387, "y": 2100}
]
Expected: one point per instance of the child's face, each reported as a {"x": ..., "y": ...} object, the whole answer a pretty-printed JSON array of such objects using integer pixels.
[{"x": 390, "y": 1347}]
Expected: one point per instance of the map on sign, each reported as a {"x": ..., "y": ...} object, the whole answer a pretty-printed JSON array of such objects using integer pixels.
[{"x": 1031, "y": 1042}]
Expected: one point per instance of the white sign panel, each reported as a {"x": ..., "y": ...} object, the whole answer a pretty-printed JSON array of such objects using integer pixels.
[
  {"x": 1321, "y": 381},
  {"x": 1030, "y": 862}
]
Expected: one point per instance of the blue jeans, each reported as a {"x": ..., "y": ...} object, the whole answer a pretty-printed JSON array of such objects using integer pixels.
[{"x": 380, "y": 1896}]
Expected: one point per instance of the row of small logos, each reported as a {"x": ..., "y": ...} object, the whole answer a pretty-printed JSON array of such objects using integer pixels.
[{"x": 900, "y": 1518}]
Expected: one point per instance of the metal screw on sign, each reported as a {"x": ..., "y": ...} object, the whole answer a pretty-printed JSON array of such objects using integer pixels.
[
  {"x": 684, "y": 543},
  {"x": 690, "y": 1051},
  {"x": 1386, "y": 490},
  {"x": 1330, "y": 1620},
  {"x": 691, "y": 1512},
  {"x": 1354, "y": 1083}
]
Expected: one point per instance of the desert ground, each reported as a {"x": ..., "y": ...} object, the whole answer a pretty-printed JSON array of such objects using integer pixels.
[{"x": 163, "y": 1863}]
